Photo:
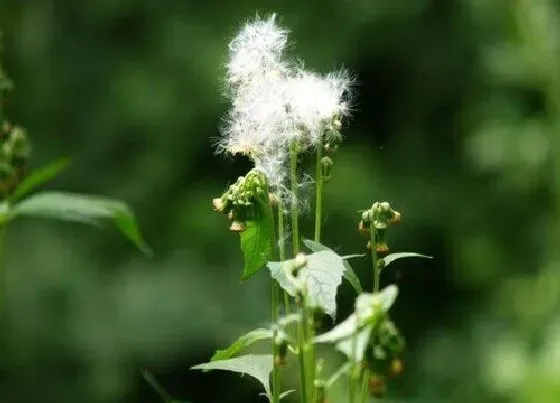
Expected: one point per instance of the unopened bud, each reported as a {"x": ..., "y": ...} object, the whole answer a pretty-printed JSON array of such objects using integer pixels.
[
  {"x": 395, "y": 219},
  {"x": 377, "y": 386},
  {"x": 382, "y": 248},
  {"x": 281, "y": 349},
  {"x": 385, "y": 206},
  {"x": 237, "y": 226},
  {"x": 364, "y": 230},
  {"x": 218, "y": 204},
  {"x": 272, "y": 199},
  {"x": 326, "y": 168},
  {"x": 396, "y": 368}
]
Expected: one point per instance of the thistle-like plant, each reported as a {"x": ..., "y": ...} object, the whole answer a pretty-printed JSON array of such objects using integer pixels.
[
  {"x": 280, "y": 114},
  {"x": 18, "y": 187}
]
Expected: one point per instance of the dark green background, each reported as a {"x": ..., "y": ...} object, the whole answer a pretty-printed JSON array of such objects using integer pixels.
[{"x": 457, "y": 124}]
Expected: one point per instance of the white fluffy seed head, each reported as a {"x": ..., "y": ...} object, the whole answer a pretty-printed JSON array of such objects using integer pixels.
[
  {"x": 318, "y": 102},
  {"x": 275, "y": 105},
  {"x": 256, "y": 51}
]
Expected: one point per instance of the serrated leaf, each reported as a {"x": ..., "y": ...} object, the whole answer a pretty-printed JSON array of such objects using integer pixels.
[
  {"x": 390, "y": 258},
  {"x": 321, "y": 276},
  {"x": 348, "y": 272},
  {"x": 86, "y": 209},
  {"x": 255, "y": 245},
  {"x": 39, "y": 177},
  {"x": 242, "y": 343},
  {"x": 258, "y": 366}
]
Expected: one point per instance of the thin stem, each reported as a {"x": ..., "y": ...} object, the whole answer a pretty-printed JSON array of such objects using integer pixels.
[
  {"x": 156, "y": 386},
  {"x": 274, "y": 291},
  {"x": 353, "y": 364},
  {"x": 363, "y": 392},
  {"x": 373, "y": 240},
  {"x": 293, "y": 178},
  {"x": 3, "y": 274},
  {"x": 301, "y": 355},
  {"x": 318, "y": 195},
  {"x": 282, "y": 251}
]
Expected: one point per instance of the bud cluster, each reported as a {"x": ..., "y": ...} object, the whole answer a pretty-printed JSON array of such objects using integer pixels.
[
  {"x": 14, "y": 155},
  {"x": 382, "y": 360},
  {"x": 374, "y": 225},
  {"x": 241, "y": 201}
]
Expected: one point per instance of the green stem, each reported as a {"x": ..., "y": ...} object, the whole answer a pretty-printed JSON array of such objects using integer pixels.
[
  {"x": 318, "y": 195},
  {"x": 302, "y": 354},
  {"x": 274, "y": 291},
  {"x": 293, "y": 179},
  {"x": 156, "y": 386},
  {"x": 373, "y": 240},
  {"x": 363, "y": 392},
  {"x": 353, "y": 366},
  {"x": 282, "y": 250}
]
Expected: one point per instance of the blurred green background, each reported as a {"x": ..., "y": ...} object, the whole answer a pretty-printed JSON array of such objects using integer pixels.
[{"x": 457, "y": 124}]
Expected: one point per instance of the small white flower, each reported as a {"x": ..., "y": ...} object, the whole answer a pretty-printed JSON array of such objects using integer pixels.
[{"x": 256, "y": 51}]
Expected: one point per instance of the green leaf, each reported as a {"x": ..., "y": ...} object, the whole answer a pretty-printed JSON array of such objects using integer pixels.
[
  {"x": 286, "y": 393},
  {"x": 86, "y": 209},
  {"x": 321, "y": 275},
  {"x": 39, "y": 177},
  {"x": 282, "y": 395},
  {"x": 346, "y": 346},
  {"x": 255, "y": 244},
  {"x": 341, "y": 331},
  {"x": 242, "y": 343},
  {"x": 344, "y": 368},
  {"x": 348, "y": 272},
  {"x": 368, "y": 307},
  {"x": 390, "y": 258},
  {"x": 258, "y": 366}
]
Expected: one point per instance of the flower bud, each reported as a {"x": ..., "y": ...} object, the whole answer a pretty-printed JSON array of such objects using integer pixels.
[
  {"x": 273, "y": 199},
  {"x": 395, "y": 219},
  {"x": 365, "y": 231},
  {"x": 281, "y": 344},
  {"x": 382, "y": 248},
  {"x": 237, "y": 226},
  {"x": 377, "y": 386},
  {"x": 384, "y": 206},
  {"x": 218, "y": 204},
  {"x": 326, "y": 168},
  {"x": 396, "y": 367}
]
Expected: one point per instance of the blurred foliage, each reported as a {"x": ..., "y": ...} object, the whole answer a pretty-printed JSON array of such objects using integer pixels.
[{"x": 457, "y": 125}]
